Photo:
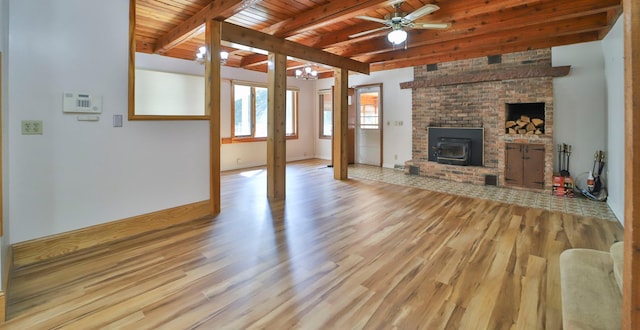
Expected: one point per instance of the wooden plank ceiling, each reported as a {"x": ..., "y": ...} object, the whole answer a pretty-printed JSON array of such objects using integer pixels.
[{"x": 478, "y": 28}]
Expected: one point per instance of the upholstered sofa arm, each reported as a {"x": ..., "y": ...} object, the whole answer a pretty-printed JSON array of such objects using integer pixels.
[{"x": 591, "y": 293}]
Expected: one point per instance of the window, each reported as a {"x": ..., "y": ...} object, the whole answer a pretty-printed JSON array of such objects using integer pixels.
[
  {"x": 326, "y": 114},
  {"x": 369, "y": 110},
  {"x": 250, "y": 104}
]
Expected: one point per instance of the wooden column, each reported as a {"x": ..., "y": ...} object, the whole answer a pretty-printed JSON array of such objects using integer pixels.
[
  {"x": 212, "y": 102},
  {"x": 276, "y": 129},
  {"x": 340, "y": 112},
  {"x": 631, "y": 277}
]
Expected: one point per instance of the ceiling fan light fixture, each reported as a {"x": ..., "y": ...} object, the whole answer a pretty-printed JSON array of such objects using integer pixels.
[{"x": 397, "y": 36}]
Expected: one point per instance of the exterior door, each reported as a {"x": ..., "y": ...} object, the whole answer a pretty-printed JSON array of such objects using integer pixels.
[{"x": 368, "y": 140}]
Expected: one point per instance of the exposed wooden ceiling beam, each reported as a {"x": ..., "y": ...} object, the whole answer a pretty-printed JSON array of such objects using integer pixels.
[
  {"x": 143, "y": 47},
  {"x": 449, "y": 12},
  {"x": 461, "y": 54},
  {"x": 488, "y": 23},
  {"x": 329, "y": 13},
  {"x": 217, "y": 9},
  {"x": 253, "y": 60},
  {"x": 544, "y": 30},
  {"x": 237, "y": 34}
]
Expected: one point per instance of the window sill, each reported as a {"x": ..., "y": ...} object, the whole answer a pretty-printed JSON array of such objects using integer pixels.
[{"x": 229, "y": 140}]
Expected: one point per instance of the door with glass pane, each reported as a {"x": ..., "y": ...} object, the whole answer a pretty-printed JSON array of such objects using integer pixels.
[{"x": 369, "y": 125}]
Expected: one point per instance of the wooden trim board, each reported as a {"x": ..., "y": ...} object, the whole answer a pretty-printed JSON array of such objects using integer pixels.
[
  {"x": 3, "y": 307},
  {"x": 41, "y": 249},
  {"x": 631, "y": 280},
  {"x": 7, "y": 266}
]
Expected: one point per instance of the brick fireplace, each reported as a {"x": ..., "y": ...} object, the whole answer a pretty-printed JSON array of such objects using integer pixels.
[{"x": 476, "y": 93}]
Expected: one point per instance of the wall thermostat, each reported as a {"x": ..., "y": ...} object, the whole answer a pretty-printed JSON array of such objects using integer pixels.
[{"x": 81, "y": 103}]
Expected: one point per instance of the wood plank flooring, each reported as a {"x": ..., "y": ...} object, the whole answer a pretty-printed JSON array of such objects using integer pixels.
[{"x": 335, "y": 255}]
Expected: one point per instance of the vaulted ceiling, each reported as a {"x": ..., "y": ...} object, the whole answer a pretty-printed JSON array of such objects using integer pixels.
[{"x": 175, "y": 28}]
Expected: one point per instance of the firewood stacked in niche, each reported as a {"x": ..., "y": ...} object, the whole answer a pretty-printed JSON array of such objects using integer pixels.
[{"x": 525, "y": 125}]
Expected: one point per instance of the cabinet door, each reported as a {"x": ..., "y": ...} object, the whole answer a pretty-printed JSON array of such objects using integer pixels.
[
  {"x": 534, "y": 166},
  {"x": 513, "y": 164}
]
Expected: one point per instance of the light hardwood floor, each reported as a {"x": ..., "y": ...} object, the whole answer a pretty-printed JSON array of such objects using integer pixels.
[{"x": 335, "y": 255}]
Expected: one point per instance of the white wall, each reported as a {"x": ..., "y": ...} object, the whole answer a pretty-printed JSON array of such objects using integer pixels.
[
  {"x": 242, "y": 155},
  {"x": 396, "y": 108},
  {"x": 580, "y": 104},
  {"x": 613, "y": 49},
  {"x": 589, "y": 108},
  {"x": 79, "y": 174}
]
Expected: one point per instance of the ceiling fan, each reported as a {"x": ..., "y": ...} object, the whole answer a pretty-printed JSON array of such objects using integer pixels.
[{"x": 398, "y": 22}]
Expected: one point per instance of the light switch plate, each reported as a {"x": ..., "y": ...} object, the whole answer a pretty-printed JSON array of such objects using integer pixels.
[
  {"x": 117, "y": 120},
  {"x": 32, "y": 127}
]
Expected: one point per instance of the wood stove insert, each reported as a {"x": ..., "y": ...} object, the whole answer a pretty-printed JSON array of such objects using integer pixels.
[{"x": 456, "y": 145}]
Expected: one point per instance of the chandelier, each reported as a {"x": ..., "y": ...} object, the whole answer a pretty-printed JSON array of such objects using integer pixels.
[
  {"x": 202, "y": 51},
  {"x": 307, "y": 73}
]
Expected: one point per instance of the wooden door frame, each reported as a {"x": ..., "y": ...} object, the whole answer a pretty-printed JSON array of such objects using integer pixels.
[
  {"x": 631, "y": 285},
  {"x": 380, "y": 116}
]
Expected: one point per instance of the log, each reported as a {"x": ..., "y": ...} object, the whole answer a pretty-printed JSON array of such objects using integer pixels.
[
  {"x": 538, "y": 132},
  {"x": 529, "y": 133},
  {"x": 525, "y": 119},
  {"x": 530, "y": 127},
  {"x": 537, "y": 122},
  {"x": 522, "y": 131},
  {"x": 521, "y": 123},
  {"x": 512, "y": 131},
  {"x": 509, "y": 124}
]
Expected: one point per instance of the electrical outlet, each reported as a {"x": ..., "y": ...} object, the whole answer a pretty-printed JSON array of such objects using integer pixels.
[{"x": 32, "y": 127}]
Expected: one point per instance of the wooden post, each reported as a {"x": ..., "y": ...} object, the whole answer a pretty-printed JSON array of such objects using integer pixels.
[
  {"x": 631, "y": 277},
  {"x": 340, "y": 112},
  {"x": 276, "y": 129},
  {"x": 212, "y": 101}
]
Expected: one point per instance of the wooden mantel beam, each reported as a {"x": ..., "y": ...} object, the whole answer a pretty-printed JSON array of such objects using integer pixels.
[
  {"x": 244, "y": 36},
  {"x": 533, "y": 71},
  {"x": 216, "y": 10}
]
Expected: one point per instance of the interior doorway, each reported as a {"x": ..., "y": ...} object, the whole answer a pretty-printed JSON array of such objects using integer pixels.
[{"x": 368, "y": 125}]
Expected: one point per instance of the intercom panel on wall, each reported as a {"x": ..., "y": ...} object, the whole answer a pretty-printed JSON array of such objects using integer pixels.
[{"x": 81, "y": 103}]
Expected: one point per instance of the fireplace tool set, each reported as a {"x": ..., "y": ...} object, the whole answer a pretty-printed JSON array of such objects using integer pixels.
[
  {"x": 594, "y": 189},
  {"x": 564, "y": 156}
]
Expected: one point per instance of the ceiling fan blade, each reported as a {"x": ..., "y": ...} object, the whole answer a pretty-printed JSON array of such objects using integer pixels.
[
  {"x": 357, "y": 35},
  {"x": 424, "y": 10},
  {"x": 431, "y": 25},
  {"x": 373, "y": 19}
]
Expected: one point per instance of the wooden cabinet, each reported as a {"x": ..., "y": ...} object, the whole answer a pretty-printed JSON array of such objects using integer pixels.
[{"x": 524, "y": 165}]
